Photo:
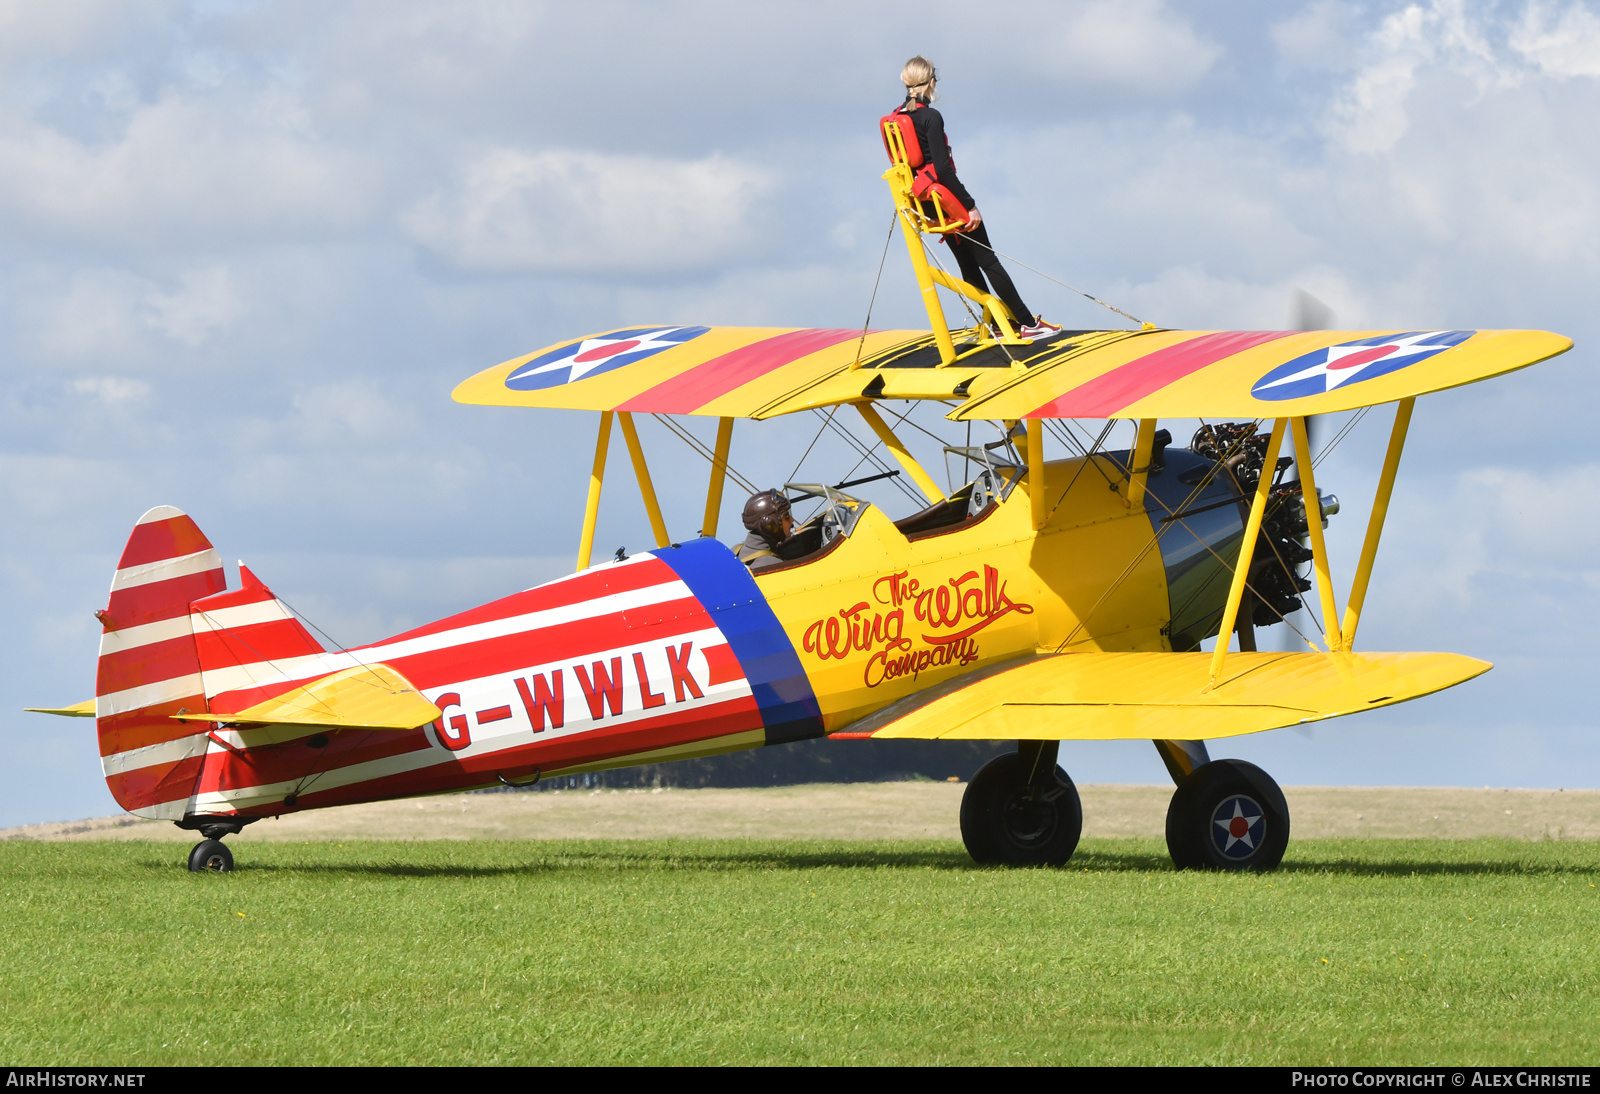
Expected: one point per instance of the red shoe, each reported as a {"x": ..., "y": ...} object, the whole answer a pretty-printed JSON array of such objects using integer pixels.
[{"x": 1038, "y": 329}]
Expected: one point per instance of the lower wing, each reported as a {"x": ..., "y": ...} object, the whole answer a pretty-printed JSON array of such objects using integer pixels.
[{"x": 1163, "y": 696}]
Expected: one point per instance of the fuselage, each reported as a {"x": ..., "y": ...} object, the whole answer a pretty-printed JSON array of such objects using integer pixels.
[{"x": 680, "y": 652}]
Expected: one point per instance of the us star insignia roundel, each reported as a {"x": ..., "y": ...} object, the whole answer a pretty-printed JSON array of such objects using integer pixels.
[
  {"x": 593, "y": 356},
  {"x": 1323, "y": 370},
  {"x": 1237, "y": 826}
]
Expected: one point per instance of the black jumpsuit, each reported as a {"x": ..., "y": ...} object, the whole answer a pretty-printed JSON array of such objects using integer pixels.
[{"x": 974, "y": 256}]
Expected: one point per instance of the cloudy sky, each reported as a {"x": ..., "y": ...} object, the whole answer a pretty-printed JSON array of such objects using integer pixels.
[{"x": 249, "y": 248}]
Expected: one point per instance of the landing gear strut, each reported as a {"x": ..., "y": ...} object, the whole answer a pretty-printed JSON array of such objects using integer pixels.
[
  {"x": 1022, "y": 810},
  {"x": 210, "y": 855}
]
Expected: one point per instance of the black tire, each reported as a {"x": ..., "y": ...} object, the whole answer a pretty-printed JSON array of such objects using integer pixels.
[
  {"x": 210, "y": 856},
  {"x": 1228, "y": 815},
  {"x": 1004, "y": 821}
]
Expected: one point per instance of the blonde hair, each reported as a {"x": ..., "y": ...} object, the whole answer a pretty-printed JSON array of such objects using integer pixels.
[{"x": 919, "y": 75}]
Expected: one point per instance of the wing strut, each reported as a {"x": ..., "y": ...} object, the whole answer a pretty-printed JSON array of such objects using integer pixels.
[
  {"x": 1037, "y": 501},
  {"x": 719, "y": 475},
  {"x": 1337, "y": 638},
  {"x": 597, "y": 475},
  {"x": 1247, "y": 549},
  {"x": 1319, "y": 547},
  {"x": 641, "y": 471},
  {"x": 901, "y": 453},
  {"x": 1142, "y": 447},
  {"x": 1380, "y": 510}
]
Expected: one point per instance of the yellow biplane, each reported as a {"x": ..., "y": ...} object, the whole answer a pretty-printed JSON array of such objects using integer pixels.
[{"x": 1050, "y": 597}]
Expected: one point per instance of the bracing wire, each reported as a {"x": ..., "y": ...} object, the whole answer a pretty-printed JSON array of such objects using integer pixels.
[
  {"x": 867, "y": 322},
  {"x": 1063, "y": 284},
  {"x": 1175, "y": 518},
  {"x": 965, "y": 303},
  {"x": 869, "y": 453},
  {"x": 821, "y": 429},
  {"x": 705, "y": 453},
  {"x": 311, "y": 776},
  {"x": 1344, "y": 432}
]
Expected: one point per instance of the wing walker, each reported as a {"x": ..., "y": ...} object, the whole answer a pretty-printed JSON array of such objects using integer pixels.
[{"x": 1061, "y": 593}]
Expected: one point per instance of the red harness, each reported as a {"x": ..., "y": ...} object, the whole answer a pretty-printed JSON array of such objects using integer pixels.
[{"x": 925, "y": 185}]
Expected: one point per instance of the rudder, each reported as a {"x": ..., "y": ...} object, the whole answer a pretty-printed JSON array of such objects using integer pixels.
[{"x": 149, "y": 667}]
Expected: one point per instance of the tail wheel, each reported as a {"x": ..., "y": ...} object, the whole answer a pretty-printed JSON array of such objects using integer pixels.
[
  {"x": 210, "y": 856},
  {"x": 1008, "y": 820},
  {"x": 1228, "y": 815}
]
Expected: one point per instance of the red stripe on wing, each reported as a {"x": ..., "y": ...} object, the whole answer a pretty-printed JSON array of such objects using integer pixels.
[
  {"x": 1124, "y": 385},
  {"x": 690, "y": 390}
]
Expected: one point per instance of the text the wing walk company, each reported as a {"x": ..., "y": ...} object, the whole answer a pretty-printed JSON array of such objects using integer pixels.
[{"x": 947, "y": 615}]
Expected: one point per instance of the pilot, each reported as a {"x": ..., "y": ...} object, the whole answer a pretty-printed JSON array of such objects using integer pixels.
[
  {"x": 974, "y": 255},
  {"x": 770, "y": 523}
]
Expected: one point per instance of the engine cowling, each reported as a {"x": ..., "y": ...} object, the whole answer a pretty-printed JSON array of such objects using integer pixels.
[{"x": 1198, "y": 499}]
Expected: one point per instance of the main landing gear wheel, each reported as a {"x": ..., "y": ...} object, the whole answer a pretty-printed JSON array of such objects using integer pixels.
[
  {"x": 210, "y": 856},
  {"x": 1228, "y": 815},
  {"x": 1022, "y": 810}
]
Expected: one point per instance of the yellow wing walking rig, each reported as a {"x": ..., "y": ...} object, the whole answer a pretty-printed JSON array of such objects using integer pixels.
[{"x": 920, "y": 208}]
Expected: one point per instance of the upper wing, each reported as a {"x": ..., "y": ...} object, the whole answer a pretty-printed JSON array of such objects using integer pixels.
[
  {"x": 1258, "y": 374},
  {"x": 759, "y": 372},
  {"x": 1163, "y": 696},
  {"x": 723, "y": 371}
]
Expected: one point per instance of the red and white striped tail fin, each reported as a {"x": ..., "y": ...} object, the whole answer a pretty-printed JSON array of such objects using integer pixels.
[
  {"x": 150, "y": 668},
  {"x": 250, "y": 643}
]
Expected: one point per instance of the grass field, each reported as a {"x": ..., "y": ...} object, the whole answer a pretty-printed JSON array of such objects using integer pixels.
[{"x": 729, "y": 951}]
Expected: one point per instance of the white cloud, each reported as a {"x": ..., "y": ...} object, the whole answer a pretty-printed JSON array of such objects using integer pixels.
[
  {"x": 185, "y": 168},
  {"x": 204, "y": 304},
  {"x": 1509, "y": 536},
  {"x": 112, "y": 390},
  {"x": 54, "y": 494},
  {"x": 349, "y": 412},
  {"x": 1139, "y": 45},
  {"x": 30, "y": 31},
  {"x": 1191, "y": 296},
  {"x": 105, "y": 313},
  {"x": 1371, "y": 116},
  {"x": 593, "y": 212},
  {"x": 1561, "y": 46},
  {"x": 1317, "y": 35}
]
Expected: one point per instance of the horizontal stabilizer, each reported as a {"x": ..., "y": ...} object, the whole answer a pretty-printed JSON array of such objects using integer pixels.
[
  {"x": 1165, "y": 696},
  {"x": 84, "y": 709},
  {"x": 365, "y": 697}
]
